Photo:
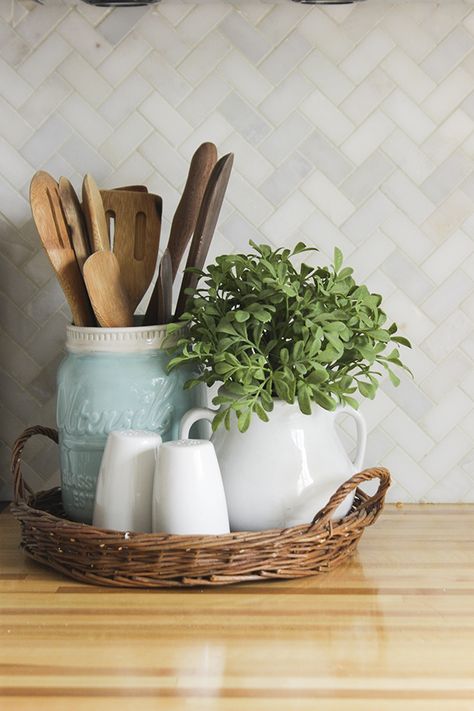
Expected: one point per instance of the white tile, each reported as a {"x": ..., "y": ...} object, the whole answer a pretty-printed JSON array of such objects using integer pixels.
[
  {"x": 368, "y": 217},
  {"x": 414, "y": 282},
  {"x": 369, "y": 256},
  {"x": 282, "y": 60},
  {"x": 367, "y": 177},
  {"x": 367, "y": 55},
  {"x": 322, "y": 32},
  {"x": 163, "y": 77},
  {"x": 249, "y": 200},
  {"x": 13, "y": 87},
  {"x": 407, "y": 73},
  {"x": 286, "y": 138},
  {"x": 84, "y": 39},
  {"x": 448, "y": 136},
  {"x": 326, "y": 157},
  {"x": 84, "y": 79},
  {"x": 412, "y": 322},
  {"x": 283, "y": 99},
  {"x": 448, "y": 95},
  {"x": 448, "y": 217},
  {"x": 408, "y": 434},
  {"x": 452, "y": 371},
  {"x": 448, "y": 257},
  {"x": 406, "y": 195},
  {"x": 125, "y": 139},
  {"x": 165, "y": 118},
  {"x": 123, "y": 100},
  {"x": 328, "y": 198},
  {"x": 323, "y": 234},
  {"x": 288, "y": 217},
  {"x": 237, "y": 72},
  {"x": 204, "y": 58},
  {"x": 45, "y": 100},
  {"x": 447, "y": 336},
  {"x": 367, "y": 96},
  {"x": 124, "y": 58},
  {"x": 44, "y": 60},
  {"x": 248, "y": 39},
  {"x": 448, "y": 296},
  {"x": 244, "y": 119},
  {"x": 204, "y": 99},
  {"x": 447, "y": 176},
  {"x": 286, "y": 178},
  {"x": 13, "y": 166},
  {"x": 408, "y": 116},
  {"x": 368, "y": 137},
  {"x": 448, "y": 53},
  {"x": 408, "y": 156},
  {"x": 327, "y": 117},
  {"x": 408, "y": 473},
  {"x": 329, "y": 79},
  {"x": 85, "y": 120},
  {"x": 407, "y": 236},
  {"x": 453, "y": 488}
]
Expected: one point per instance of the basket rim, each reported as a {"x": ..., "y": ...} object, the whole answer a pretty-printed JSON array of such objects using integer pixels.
[{"x": 25, "y": 498}]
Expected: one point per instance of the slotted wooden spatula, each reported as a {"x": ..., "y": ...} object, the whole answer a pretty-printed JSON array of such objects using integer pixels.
[
  {"x": 205, "y": 226},
  {"x": 53, "y": 231},
  {"x": 105, "y": 286},
  {"x": 137, "y": 226},
  {"x": 75, "y": 221}
]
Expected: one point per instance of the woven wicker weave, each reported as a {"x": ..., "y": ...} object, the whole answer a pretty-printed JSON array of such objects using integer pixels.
[{"x": 145, "y": 560}]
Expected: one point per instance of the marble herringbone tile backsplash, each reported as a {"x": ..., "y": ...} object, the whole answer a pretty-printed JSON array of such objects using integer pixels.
[{"x": 351, "y": 126}]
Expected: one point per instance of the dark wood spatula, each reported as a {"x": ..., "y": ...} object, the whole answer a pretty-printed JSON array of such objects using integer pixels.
[
  {"x": 183, "y": 224},
  {"x": 205, "y": 226}
]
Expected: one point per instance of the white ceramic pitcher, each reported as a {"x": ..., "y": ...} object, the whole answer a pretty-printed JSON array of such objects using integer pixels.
[{"x": 282, "y": 472}]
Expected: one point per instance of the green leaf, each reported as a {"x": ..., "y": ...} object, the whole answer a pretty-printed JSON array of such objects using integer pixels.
[
  {"x": 304, "y": 398},
  {"x": 243, "y": 420},
  {"x": 338, "y": 258},
  {"x": 403, "y": 341},
  {"x": 324, "y": 400},
  {"x": 318, "y": 375},
  {"x": 241, "y": 316}
]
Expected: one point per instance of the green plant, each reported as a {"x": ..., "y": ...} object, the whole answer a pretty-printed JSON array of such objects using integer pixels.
[{"x": 266, "y": 329}]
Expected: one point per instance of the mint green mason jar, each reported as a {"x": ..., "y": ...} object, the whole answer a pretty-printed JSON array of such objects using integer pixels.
[{"x": 113, "y": 379}]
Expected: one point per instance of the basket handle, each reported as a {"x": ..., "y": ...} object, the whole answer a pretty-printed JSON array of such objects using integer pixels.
[
  {"x": 338, "y": 497},
  {"x": 20, "y": 487}
]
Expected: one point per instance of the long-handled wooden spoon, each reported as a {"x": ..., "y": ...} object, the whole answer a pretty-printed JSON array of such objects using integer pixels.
[
  {"x": 184, "y": 222},
  {"x": 95, "y": 215},
  {"x": 75, "y": 221},
  {"x": 165, "y": 289},
  {"x": 52, "y": 228},
  {"x": 106, "y": 290},
  {"x": 205, "y": 226}
]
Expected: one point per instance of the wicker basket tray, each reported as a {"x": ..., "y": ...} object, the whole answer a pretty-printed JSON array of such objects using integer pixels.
[{"x": 147, "y": 560}]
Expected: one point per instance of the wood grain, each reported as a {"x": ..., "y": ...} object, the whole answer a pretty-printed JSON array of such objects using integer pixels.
[
  {"x": 109, "y": 299},
  {"x": 392, "y": 630}
]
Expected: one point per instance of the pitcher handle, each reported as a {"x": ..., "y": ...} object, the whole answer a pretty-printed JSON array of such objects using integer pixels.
[
  {"x": 192, "y": 416},
  {"x": 361, "y": 434}
]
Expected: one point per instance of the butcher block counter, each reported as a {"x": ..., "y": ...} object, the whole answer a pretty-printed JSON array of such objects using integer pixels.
[{"x": 391, "y": 629}]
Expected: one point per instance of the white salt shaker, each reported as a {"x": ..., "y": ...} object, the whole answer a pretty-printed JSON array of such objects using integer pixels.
[
  {"x": 188, "y": 493},
  {"x": 125, "y": 481}
]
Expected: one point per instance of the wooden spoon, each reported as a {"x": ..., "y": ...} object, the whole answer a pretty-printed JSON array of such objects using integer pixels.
[
  {"x": 137, "y": 226},
  {"x": 205, "y": 226},
  {"x": 52, "y": 228},
  {"x": 184, "y": 221},
  {"x": 95, "y": 215},
  {"x": 75, "y": 221},
  {"x": 108, "y": 295}
]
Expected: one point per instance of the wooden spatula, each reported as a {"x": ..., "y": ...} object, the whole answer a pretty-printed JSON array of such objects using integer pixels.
[
  {"x": 52, "y": 228},
  {"x": 184, "y": 221},
  {"x": 95, "y": 215},
  {"x": 106, "y": 290},
  {"x": 137, "y": 225},
  {"x": 75, "y": 221},
  {"x": 205, "y": 226}
]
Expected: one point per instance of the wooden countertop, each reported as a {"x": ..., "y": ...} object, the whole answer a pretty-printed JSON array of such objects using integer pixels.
[{"x": 392, "y": 629}]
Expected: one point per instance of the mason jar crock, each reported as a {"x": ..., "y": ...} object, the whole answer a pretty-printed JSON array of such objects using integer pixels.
[{"x": 113, "y": 379}]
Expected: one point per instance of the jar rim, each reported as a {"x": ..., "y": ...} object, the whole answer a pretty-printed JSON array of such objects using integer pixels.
[{"x": 118, "y": 340}]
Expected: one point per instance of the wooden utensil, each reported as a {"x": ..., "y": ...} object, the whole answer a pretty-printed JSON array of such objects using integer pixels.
[
  {"x": 52, "y": 228},
  {"x": 106, "y": 290},
  {"x": 205, "y": 226},
  {"x": 75, "y": 221},
  {"x": 184, "y": 221},
  {"x": 95, "y": 215},
  {"x": 135, "y": 188},
  {"x": 164, "y": 301},
  {"x": 137, "y": 226}
]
